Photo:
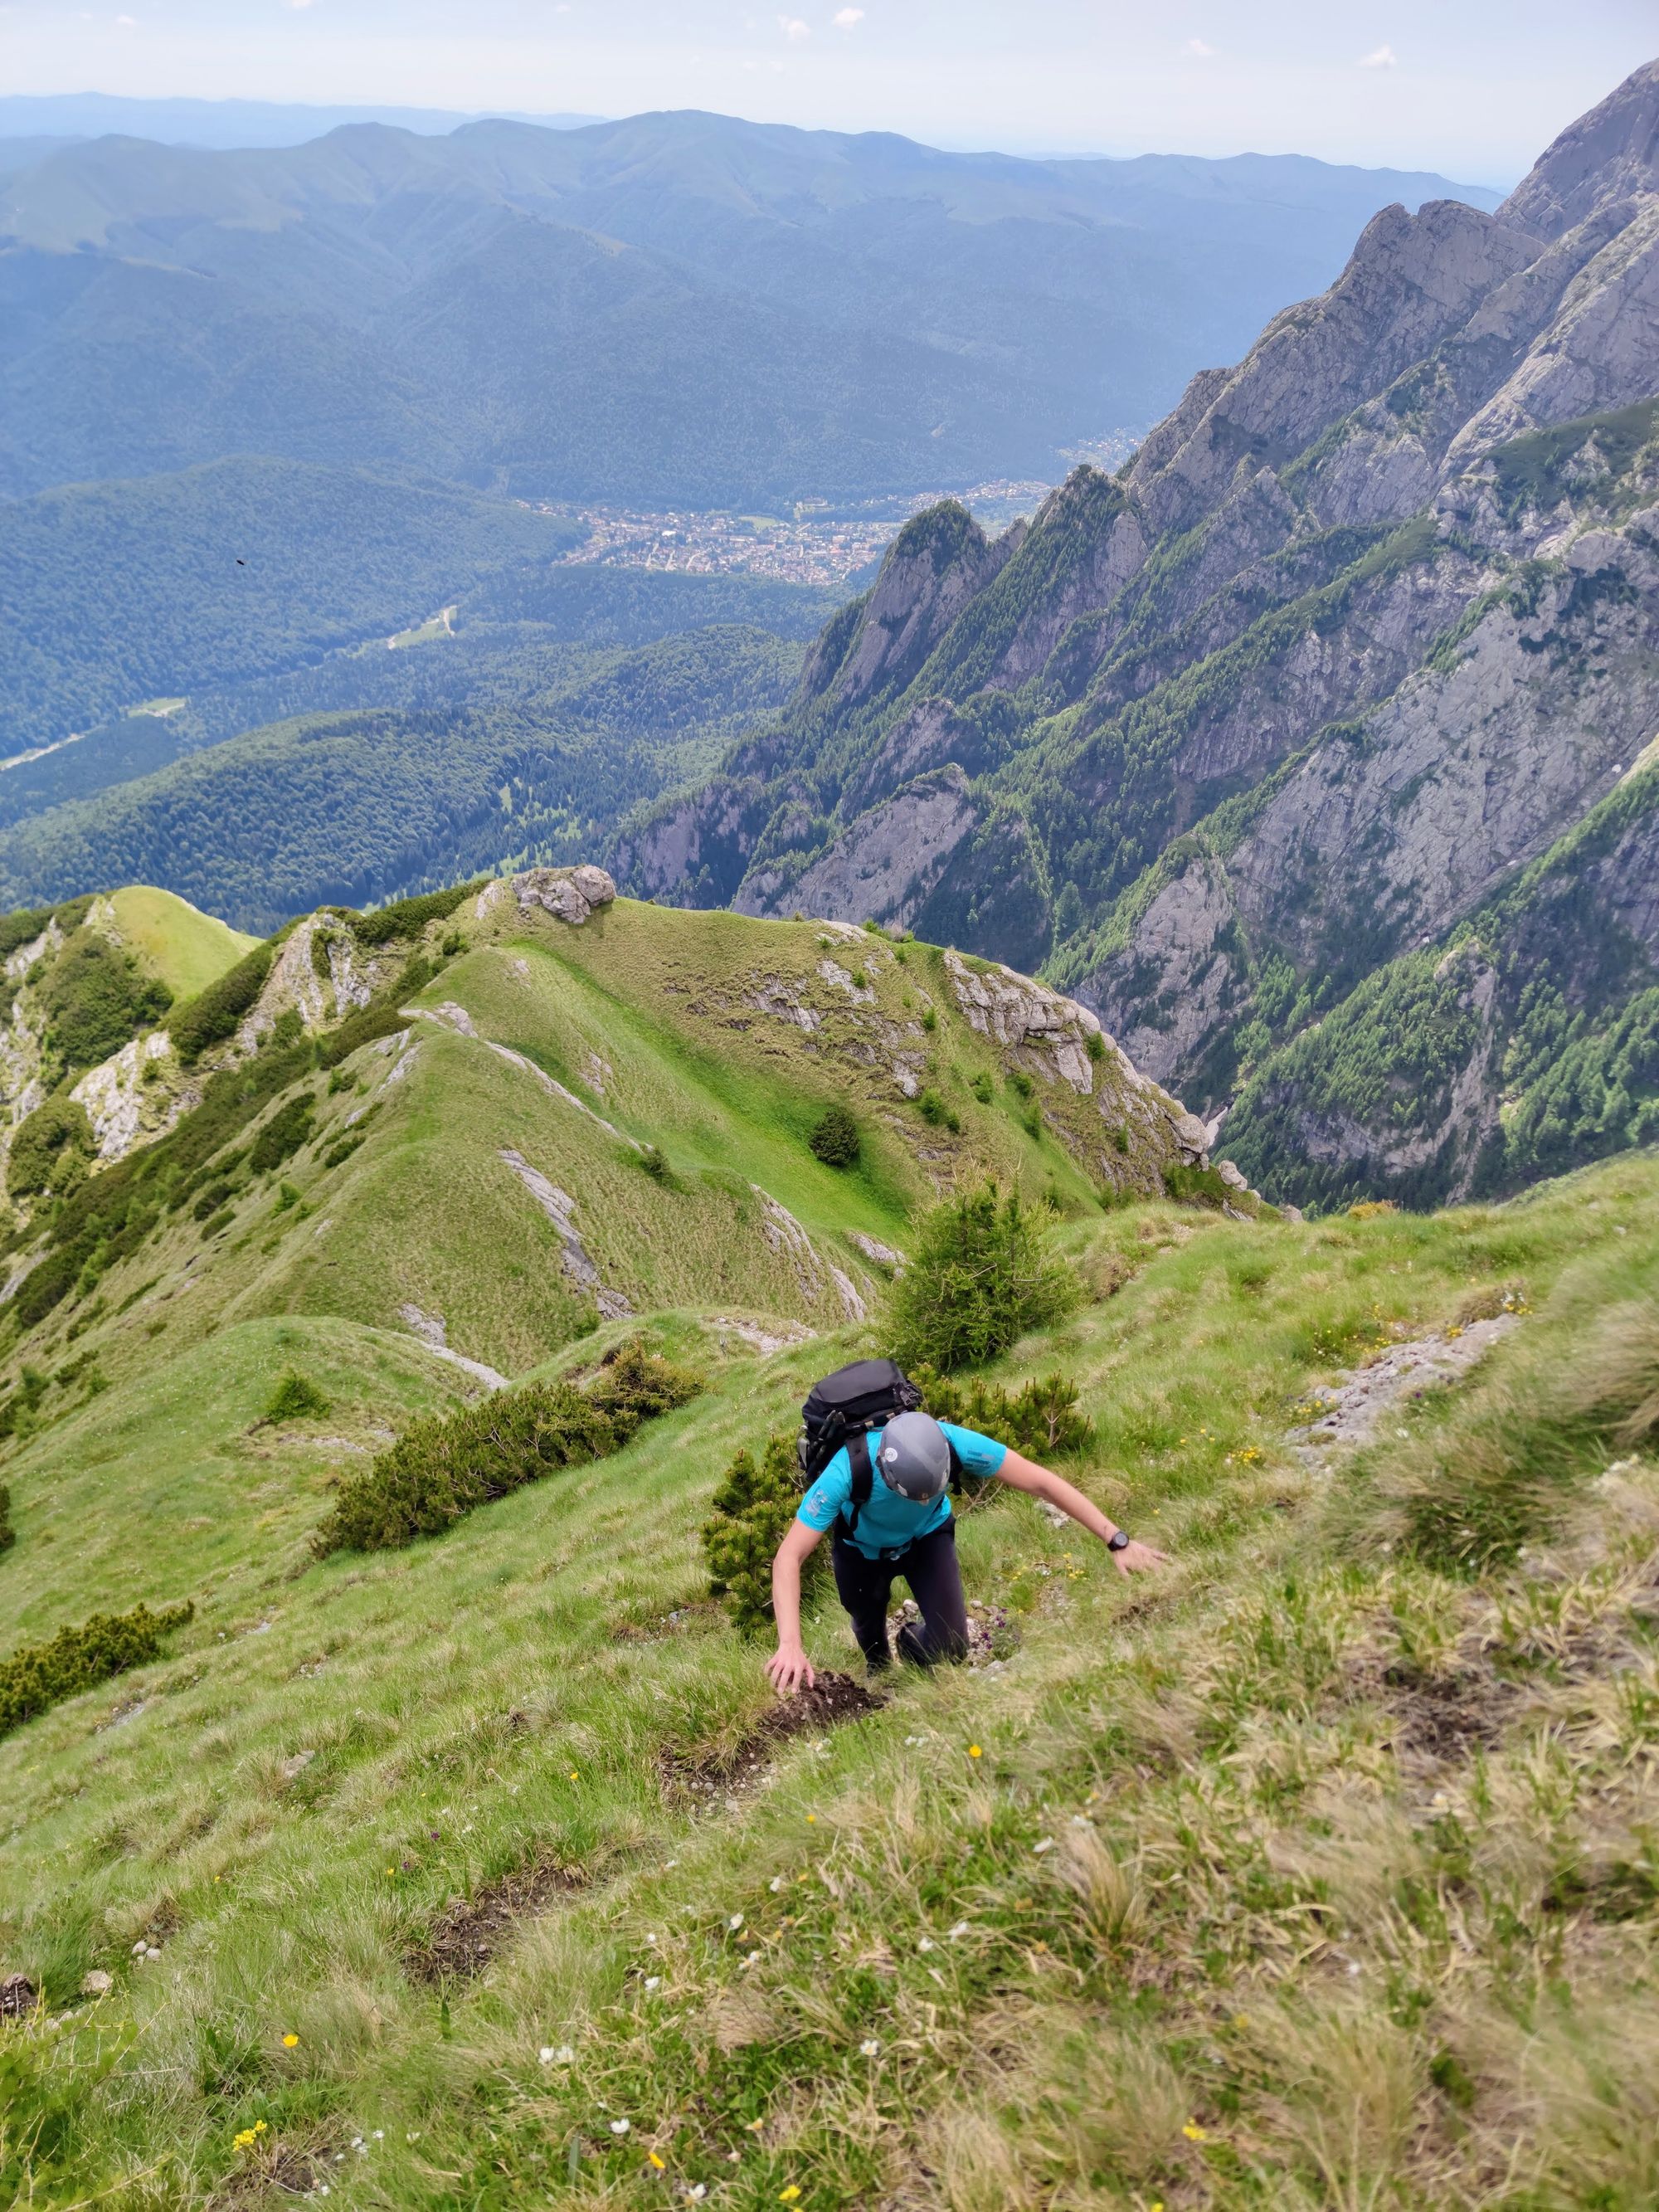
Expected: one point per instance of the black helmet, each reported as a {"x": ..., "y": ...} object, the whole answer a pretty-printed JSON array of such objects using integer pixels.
[{"x": 914, "y": 1457}]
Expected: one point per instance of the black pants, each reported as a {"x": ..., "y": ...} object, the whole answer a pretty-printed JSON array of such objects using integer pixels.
[{"x": 929, "y": 1566}]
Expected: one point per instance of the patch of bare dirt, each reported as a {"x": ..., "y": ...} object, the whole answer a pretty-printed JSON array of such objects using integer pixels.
[
  {"x": 468, "y": 1934},
  {"x": 722, "y": 1771},
  {"x": 1442, "y": 1717}
]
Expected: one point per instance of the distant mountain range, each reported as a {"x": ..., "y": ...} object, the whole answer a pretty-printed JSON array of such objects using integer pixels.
[
  {"x": 676, "y": 307},
  {"x": 228, "y": 123},
  {"x": 1316, "y": 750}
]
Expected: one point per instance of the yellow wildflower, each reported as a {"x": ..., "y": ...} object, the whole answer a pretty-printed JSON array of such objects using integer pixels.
[
  {"x": 290, "y": 2040},
  {"x": 974, "y": 1752},
  {"x": 661, "y": 2164},
  {"x": 1192, "y": 2132},
  {"x": 788, "y": 2196}
]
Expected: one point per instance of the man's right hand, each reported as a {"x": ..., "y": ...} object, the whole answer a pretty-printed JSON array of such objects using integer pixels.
[{"x": 790, "y": 1669}]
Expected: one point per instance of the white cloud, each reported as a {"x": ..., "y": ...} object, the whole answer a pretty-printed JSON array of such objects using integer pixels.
[
  {"x": 127, "y": 22},
  {"x": 1383, "y": 58},
  {"x": 845, "y": 19},
  {"x": 1201, "y": 50},
  {"x": 794, "y": 29}
]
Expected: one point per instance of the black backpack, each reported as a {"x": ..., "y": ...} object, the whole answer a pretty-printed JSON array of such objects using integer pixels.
[{"x": 842, "y": 1409}]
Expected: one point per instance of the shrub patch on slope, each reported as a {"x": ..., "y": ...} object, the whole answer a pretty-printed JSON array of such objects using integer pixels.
[
  {"x": 440, "y": 1469},
  {"x": 43, "y": 1674}
]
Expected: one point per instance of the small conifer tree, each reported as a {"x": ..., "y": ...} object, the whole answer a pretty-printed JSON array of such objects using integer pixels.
[
  {"x": 982, "y": 1275},
  {"x": 835, "y": 1139},
  {"x": 752, "y": 1511}
]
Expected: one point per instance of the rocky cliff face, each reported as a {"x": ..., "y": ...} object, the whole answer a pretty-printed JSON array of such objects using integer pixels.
[{"x": 1367, "y": 629}]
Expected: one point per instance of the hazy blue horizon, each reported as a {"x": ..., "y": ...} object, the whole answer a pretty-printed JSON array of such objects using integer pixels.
[
  {"x": 234, "y": 122},
  {"x": 1472, "y": 93}
]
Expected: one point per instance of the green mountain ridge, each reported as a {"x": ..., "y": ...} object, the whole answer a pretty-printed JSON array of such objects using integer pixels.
[{"x": 579, "y": 1061}]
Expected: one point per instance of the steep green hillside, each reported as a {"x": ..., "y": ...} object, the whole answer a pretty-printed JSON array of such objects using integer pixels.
[
  {"x": 119, "y": 594},
  {"x": 82, "y": 986},
  {"x": 1313, "y": 1873}
]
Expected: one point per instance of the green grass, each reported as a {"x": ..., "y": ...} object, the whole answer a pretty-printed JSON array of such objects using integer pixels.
[
  {"x": 1291, "y": 1958},
  {"x": 188, "y": 950},
  {"x": 400, "y": 1201}
]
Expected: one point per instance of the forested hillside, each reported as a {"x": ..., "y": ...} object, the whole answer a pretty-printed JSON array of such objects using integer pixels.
[
  {"x": 120, "y": 593},
  {"x": 1293, "y": 749},
  {"x": 499, "y": 750}
]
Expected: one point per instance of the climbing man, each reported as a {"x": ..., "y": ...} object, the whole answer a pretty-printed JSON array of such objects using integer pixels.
[{"x": 885, "y": 1494}]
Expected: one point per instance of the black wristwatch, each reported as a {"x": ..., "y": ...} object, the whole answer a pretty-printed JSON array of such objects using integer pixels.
[{"x": 1121, "y": 1541}]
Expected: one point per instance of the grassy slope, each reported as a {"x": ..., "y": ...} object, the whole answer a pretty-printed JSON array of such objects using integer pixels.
[
  {"x": 186, "y": 948},
  {"x": 644, "y": 1016},
  {"x": 1287, "y": 1963}
]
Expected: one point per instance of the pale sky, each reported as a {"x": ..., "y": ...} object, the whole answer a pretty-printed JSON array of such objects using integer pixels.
[{"x": 1472, "y": 87}]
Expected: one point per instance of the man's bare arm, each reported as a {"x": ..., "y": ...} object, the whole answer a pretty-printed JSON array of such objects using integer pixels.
[
  {"x": 1022, "y": 1473},
  {"x": 789, "y": 1666}
]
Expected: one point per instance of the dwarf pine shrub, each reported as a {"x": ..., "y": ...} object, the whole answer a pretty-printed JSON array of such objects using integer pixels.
[
  {"x": 982, "y": 1274},
  {"x": 8, "y": 1533},
  {"x": 43, "y": 1674},
  {"x": 1042, "y": 1420},
  {"x": 441, "y": 1468},
  {"x": 288, "y": 1129},
  {"x": 296, "y": 1398},
  {"x": 752, "y": 1511}
]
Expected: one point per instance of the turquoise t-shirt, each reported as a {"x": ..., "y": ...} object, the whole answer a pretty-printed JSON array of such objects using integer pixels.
[{"x": 889, "y": 1520}]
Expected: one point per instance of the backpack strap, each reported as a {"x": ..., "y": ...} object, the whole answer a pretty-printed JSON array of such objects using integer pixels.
[
  {"x": 956, "y": 1467},
  {"x": 863, "y": 1476}
]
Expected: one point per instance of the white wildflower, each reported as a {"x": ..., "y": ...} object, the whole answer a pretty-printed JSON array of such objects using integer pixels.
[
  {"x": 961, "y": 1929},
  {"x": 620, "y": 2127},
  {"x": 735, "y": 1923},
  {"x": 1046, "y": 1844},
  {"x": 927, "y": 1944},
  {"x": 870, "y": 2047},
  {"x": 654, "y": 1981},
  {"x": 776, "y": 1884}
]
